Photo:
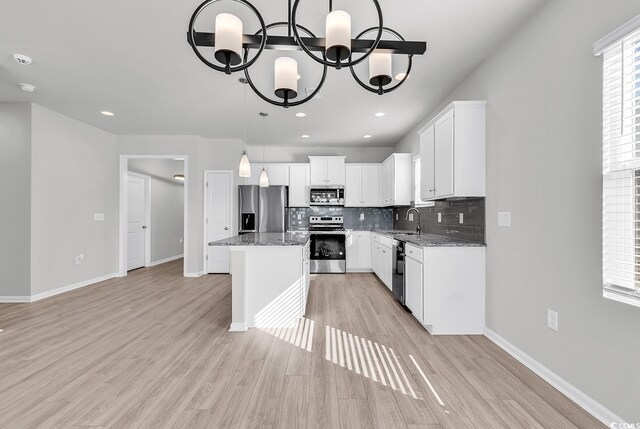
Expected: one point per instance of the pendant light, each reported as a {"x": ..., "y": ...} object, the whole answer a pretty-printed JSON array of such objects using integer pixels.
[
  {"x": 264, "y": 177},
  {"x": 380, "y": 70},
  {"x": 286, "y": 79},
  {"x": 245, "y": 165},
  {"x": 228, "y": 40},
  {"x": 338, "y": 30},
  {"x": 178, "y": 176}
]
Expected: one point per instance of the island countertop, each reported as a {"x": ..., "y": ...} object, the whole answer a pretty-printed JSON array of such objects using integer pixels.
[{"x": 265, "y": 239}]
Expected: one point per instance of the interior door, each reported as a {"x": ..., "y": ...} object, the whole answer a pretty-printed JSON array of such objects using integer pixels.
[
  {"x": 218, "y": 221},
  {"x": 444, "y": 156},
  {"x": 136, "y": 228}
]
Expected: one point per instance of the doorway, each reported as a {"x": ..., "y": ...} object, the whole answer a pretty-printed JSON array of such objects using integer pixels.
[
  {"x": 153, "y": 211},
  {"x": 218, "y": 187}
]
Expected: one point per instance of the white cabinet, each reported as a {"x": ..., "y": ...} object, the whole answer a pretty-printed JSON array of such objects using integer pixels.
[
  {"x": 362, "y": 185},
  {"x": 359, "y": 251},
  {"x": 299, "y": 181},
  {"x": 278, "y": 174},
  {"x": 452, "y": 152},
  {"x": 382, "y": 259},
  {"x": 306, "y": 275},
  {"x": 413, "y": 281},
  {"x": 327, "y": 170},
  {"x": 396, "y": 180}
]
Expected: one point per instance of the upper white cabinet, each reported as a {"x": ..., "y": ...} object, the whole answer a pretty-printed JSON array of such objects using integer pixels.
[
  {"x": 327, "y": 170},
  {"x": 362, "y": 185},
  {"x": 396, "y": 180},
  {"x": 278, "y": 174},
  {"x": 452, "y": 152},
  {"x": 299, "y": 181}
]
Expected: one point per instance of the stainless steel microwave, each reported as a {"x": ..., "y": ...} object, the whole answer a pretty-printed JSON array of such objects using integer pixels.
[{"x": 326, "y": 196}]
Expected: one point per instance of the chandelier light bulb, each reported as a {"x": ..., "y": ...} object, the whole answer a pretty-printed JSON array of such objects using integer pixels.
[
  {"x": 286, "y": 79},
  {"x": 245, "y": 166},
  {"x": 264, "y": 179},
  {"x": 228, "y": 40},
  {"x": 380, "y": 70},
  {"x": 338, "y": 42}
]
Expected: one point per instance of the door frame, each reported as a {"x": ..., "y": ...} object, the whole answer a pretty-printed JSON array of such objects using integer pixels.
[
  {"x": 205, "y": 212},
  {"x": 147, "y": 214},
  {"x": 122, "y": 241}
]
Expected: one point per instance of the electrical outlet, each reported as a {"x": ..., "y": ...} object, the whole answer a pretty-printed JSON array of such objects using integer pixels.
[
  {"x": 396, "y": 216},
  {"x": 410, "y": 217},
  {"x": 552, "y": 320},
  {"x": 461, "y": 217},
  {"x": 299, "y": 216},
  {"x": 79, "y": 258},
  {"x": 439, "y": 217},
  {"x": 361, "y": 216}
]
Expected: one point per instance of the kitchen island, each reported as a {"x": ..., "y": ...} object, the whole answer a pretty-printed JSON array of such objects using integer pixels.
[{"x": 270, "y": 279}]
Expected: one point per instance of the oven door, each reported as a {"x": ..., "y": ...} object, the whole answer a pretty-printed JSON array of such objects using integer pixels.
[{"x": 328, "y": 253}]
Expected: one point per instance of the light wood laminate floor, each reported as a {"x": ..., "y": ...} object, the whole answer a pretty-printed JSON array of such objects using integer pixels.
[{"x": 152, "y": 351}]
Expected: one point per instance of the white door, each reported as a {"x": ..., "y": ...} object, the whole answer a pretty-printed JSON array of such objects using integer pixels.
[
  {"x": 299, "y": 185},
  {"x": 427, "y": 164},
  {"x": 218, "y": 220},
  {"x": 136, "y": 228},
  {"x": 353, "y": 186},
  {"x": 444, "y": 156},
  {"x": 371, "y": 186}
]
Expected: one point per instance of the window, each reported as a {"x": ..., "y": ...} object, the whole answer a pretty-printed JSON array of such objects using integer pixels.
[
  {"x": 416, "y": 185},
  {"x": 621, "y": 168}
]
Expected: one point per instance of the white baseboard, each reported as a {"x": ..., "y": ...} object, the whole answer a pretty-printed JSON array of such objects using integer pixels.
[
  {"x": 58, "y": 291},
  {"x": 194, "y": 275},
  {"x": 14, "y": 299},
  {"x": 165, "y": 260},
  {"x": 589, "y": 404},
  {"x": 238, "y": 327}
]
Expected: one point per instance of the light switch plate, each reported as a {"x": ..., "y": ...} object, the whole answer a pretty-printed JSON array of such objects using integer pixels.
[
  {"x": 439, "y": 217},
  {"x": 552, "y": 320},
  {"x": 504, "y": 219},
  {"x": 98, "y": 216}
]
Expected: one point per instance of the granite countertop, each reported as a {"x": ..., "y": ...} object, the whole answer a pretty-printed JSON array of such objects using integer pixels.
[
  {"x": 266, "y": 239},
  {"x": 424, "y": 239}
]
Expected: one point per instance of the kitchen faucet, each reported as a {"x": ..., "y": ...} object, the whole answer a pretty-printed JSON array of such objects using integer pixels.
[{"x": 418, "y": 227}]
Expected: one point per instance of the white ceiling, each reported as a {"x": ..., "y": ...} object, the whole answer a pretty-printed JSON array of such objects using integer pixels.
[{"x": 132, "y": 58}]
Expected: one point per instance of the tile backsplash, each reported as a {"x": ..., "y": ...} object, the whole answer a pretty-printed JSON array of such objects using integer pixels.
[
  {"x": 372, "y": 218},
  {"x": 472, "y": 228}
]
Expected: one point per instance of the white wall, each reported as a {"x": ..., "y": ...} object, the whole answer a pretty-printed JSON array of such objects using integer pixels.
[
  {"x": 74, "y": 175},
  {"x": 167, "y": 205},
  {"x": 544, "y": 165},
  {"x": 301, "y": 154},
  {"x": 15, "y": 189},
  {"x": 203, "y": 154}
]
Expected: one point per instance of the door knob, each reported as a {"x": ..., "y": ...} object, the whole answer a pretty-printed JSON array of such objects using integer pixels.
[
  {"x": 226, "y": 228},
  {"x": 144, "y": 226}
]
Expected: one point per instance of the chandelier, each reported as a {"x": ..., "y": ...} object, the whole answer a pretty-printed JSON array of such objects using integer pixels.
[{"x": 233, "y": 50}]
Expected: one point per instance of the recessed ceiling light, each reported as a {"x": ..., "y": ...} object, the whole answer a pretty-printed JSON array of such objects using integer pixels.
[
  {"x": 27, "y": 87},
  {"x": 379, "y": 114},
  {"x": 401, "y": 76},
  {"x": 301, "y": 114},
  {"x": 107, "y": 113},
  {"x": 366, "y": 136},
  {"x": 22, "y": 59},
  {"x": 305, "y": 136}
]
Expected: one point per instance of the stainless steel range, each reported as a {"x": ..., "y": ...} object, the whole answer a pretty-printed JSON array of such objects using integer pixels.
[{"x": 328, "y": 244}]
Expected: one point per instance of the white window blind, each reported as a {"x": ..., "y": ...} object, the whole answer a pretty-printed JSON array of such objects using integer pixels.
[{"x": 621, "y": 170}]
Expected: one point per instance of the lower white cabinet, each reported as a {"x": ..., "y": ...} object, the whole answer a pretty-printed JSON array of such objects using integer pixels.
[
  {"x": 382, "y": 259},
  {"x": 306, "y": 275},
  {"x": 413, "y": 284},
  {"x": 359, "y": 251}
]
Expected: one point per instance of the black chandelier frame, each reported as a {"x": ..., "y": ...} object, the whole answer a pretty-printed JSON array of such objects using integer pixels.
[{"x": 308, "y": 43}]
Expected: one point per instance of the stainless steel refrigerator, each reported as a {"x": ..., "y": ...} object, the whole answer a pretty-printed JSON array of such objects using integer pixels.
[{"x": 263, "y": 209}]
